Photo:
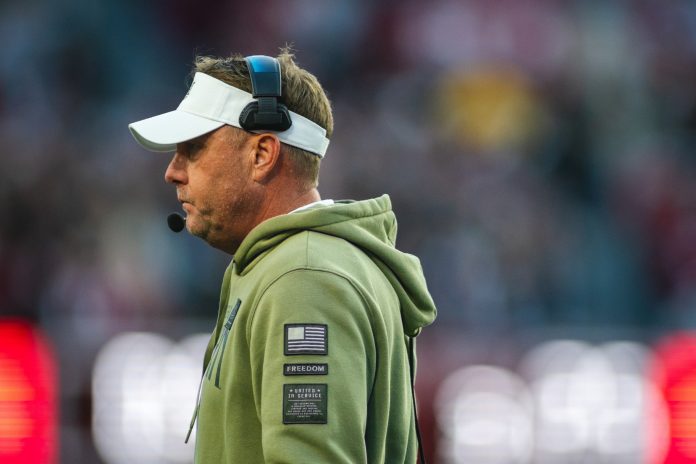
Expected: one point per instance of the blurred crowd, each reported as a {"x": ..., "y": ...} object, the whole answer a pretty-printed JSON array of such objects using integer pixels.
[{"x": 539, "y": 155}]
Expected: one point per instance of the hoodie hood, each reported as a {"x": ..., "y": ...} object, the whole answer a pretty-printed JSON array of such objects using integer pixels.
[{"x": 369, "y": 225}]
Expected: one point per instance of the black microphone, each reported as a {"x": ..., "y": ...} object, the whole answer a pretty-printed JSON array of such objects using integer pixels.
[{"x": 176, "y": 222}]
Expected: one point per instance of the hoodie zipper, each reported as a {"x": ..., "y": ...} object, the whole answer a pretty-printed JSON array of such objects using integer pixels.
[{"x": 218, "y": 353}]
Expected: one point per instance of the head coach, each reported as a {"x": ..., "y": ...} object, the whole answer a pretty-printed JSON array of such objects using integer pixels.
[{"x": 312, "y": 358}]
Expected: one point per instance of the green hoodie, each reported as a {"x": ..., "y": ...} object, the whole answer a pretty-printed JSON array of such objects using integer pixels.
[{"x": 308, "y": 362}]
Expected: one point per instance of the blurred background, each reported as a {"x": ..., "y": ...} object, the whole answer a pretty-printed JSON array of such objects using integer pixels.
[{"x": 540, "y": 159}]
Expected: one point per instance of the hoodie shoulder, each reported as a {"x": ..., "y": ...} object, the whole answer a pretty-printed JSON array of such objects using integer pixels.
[
  {"x": 312, "y": 250},
  {"x": 354, "y": 239},
  {"x": 334, "y": 253}
]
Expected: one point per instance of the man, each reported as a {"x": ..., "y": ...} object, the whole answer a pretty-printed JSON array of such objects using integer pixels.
[{"x": 309, "y": 359}]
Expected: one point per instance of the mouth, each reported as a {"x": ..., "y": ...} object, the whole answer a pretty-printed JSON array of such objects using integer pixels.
[{"x": 186, "y": 206}]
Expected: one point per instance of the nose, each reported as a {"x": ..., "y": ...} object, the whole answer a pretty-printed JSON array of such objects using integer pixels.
[{"x": 176, "y": 170}]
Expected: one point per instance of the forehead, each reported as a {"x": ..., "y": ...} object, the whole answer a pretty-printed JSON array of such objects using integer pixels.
[{"x": 224, "y": 135}]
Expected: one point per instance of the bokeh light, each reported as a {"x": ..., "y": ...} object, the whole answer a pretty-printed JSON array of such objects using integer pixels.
[
  {"x": 28, "y": 396},
  {"x": 485, "y": 416},
  {"x": 144, "y": 390},
  {"x": 572, "y": 402},
  {"x": 675, "y": 374}
]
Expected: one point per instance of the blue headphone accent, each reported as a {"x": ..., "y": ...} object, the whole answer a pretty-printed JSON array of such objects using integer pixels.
[{"x": 266, "y": 113}]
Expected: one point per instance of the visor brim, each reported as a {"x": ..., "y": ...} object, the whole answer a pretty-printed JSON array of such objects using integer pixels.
[{"x": 161, "y": 133}]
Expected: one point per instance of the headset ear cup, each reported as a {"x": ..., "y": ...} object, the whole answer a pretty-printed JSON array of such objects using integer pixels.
[
  {"x": 249, "y": 121},
  {"x": 246, "y": 117},
  {"x": 287, "y": 121}
]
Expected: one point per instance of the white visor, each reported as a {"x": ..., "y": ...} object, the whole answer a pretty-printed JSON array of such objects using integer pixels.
[{"x": 210, "y": 104}]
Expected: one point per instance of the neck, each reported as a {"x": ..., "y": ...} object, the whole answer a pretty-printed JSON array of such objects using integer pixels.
[
  {"x": 279, "y": 203},
  {"x": 304, "y": 199}
]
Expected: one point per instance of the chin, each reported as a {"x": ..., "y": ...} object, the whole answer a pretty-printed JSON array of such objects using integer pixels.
[{"x": 194, "y": 227}]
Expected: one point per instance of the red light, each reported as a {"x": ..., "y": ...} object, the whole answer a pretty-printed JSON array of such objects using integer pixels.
[
  {"x": 675, "y": 376},
  {"x": 27, "y": 396}
]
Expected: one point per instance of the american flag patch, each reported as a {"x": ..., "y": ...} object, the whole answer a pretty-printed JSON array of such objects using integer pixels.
[{"x": 306, "y": 339}]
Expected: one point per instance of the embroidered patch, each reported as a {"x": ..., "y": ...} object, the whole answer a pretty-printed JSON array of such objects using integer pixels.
[
  {"x": 305, "y": 369},
  {"x": 305, "y": 403},
  {"x": 306, "y": 339}
]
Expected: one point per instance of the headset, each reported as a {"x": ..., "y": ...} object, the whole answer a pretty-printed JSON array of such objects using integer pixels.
[{"x": 266, "y": 113}]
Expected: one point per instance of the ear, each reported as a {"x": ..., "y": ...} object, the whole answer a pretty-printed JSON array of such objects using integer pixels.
[{"x": 266, "y": 156}]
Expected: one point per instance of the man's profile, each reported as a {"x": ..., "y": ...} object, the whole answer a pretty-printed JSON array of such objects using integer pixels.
[{"x": 312, "y": 356}]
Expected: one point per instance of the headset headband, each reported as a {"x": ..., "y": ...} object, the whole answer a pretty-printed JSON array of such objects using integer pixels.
[{"x": 266, "y": 113}]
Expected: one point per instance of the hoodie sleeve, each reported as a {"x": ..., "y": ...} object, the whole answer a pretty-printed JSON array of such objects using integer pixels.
[{"x": 312, "y": 359}]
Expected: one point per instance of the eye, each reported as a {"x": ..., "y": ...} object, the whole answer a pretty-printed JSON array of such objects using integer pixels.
[{"x": 192, "y": 149}]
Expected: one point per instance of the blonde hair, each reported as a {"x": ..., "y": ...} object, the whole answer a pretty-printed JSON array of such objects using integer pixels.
[{"x": 301, "y": 93}]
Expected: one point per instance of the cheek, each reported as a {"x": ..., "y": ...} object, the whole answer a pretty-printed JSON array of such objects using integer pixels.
[
  {"x": 209, "y": 188},
  {"x": 227, "y": 195},
  {"x": 224, "y": 189}
]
